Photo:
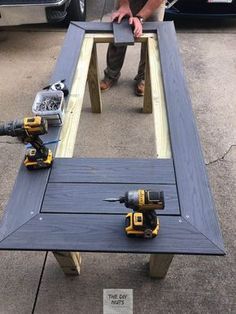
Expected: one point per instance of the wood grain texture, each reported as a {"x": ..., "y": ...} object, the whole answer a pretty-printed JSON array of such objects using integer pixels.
[
  {"x": 70, "y": 263},
  {"x": 94, "y": 83},
  {"x": 159, "y": 265},
  {"x": 123, "y": 34},
  {"x": 161, "y": 126},
  {"x": 67, "y": 60},
  {"x": 109, "y": 38},
  {"x": 23, "y": 205},
  {"x": 147, "y": 100},
  {"x": 88, "y": 198},
  {"x": 73, "y": 110},
  {"x": 113, "y": 170},
  {"x": 195, "y": 197},
  {"x": 104, "y": 233}
]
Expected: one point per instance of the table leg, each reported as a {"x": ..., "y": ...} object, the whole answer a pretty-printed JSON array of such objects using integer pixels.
[
  {"x": 147, "y": 101},
  {"x": 93, "y": 83},
  {"x": 69, "y": 262},
  {"x": 159, "y": 265}
]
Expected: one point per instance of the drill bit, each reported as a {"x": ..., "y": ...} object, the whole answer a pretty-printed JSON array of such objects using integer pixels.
[{"x": 112, "y": 199}]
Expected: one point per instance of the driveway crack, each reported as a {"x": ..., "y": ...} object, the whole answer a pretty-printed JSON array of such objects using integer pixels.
[{"x": 222, "y": 157}]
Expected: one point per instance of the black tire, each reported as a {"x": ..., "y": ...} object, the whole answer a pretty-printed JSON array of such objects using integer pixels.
[{"x": 76, "y": 11}]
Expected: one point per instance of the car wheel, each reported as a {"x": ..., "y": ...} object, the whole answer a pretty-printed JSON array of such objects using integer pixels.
[{"x": 76, "y": 11}]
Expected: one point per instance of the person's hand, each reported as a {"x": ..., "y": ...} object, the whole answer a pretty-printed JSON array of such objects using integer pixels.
[
  {"x": 138, "y": 28},
  {"x": 123, "y": 11}
]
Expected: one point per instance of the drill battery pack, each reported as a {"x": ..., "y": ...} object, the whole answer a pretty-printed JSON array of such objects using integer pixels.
[
  {"x": 136, "y": 226},
  {"x": 33, "y": 161}
]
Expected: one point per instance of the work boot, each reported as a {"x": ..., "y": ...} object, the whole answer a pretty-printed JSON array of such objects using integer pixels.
[
  {"x": 107, "y": 83},
  {"x": 140, "y": 87}
]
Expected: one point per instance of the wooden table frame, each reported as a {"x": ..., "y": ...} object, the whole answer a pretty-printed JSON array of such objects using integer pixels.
[{"x": 196, "y": 229}]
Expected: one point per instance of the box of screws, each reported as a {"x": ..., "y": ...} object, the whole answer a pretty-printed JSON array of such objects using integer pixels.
[{"x": 50, "y": 105}]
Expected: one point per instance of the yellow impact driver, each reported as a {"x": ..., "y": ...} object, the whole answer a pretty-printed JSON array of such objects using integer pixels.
[{"x": 142, "y": 222}]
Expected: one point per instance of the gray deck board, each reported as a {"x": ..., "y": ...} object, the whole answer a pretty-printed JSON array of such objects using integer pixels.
[
  {"x": 195, "y": 197},
  {"x": 123, "y": 34},
  {"x": 88, "y": 198},
  {"x": 104, "y": 233},
  {"x": 113, "y": 170},
  {"x": 29, "y": 188}
]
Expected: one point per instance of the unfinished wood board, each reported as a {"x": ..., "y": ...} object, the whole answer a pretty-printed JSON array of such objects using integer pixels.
[
  {"x": 159, "y": 265},
  {"x": 69, "y": 262},
  {"x": 161, "y": 126},
  {"x": 94, "y": 84},
  {"x": 147, "y": 100},
  {"x": 72, "y": 116}
]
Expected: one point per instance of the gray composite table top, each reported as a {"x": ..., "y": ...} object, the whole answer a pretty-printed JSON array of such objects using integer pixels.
[{"x": 62, "y": 209}]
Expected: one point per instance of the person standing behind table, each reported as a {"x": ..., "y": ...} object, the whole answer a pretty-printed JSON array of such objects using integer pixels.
[{"x": 138, "y": 11}]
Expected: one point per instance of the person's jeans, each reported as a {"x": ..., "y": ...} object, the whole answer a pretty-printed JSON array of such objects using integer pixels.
[{"x": 116, "y": 55}]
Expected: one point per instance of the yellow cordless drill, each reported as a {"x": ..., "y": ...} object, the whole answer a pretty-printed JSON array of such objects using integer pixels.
[
  {"x": 143, "y": 222},
  {"x": 28, "y": 130}
]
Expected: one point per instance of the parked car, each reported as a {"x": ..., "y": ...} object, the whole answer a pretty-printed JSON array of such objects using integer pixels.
[
  {"x": 201, "y": 8},
  {"x": 17, "y": 12}
]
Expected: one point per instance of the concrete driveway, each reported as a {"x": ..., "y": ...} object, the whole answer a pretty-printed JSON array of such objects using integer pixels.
[{"x": 194, "y": 284}]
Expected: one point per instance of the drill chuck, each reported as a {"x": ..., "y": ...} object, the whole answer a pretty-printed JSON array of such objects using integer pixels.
[
  {"x": 24, "y": 128},
  {"x": 12, "y": 128}
]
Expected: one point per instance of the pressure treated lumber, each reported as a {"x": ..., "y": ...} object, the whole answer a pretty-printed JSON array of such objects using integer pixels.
[
  {"x": 161, "y": 125},
  {"x": 69, "y": 262},
  {"x": 103, "y": 38},
  {"x": 93, "y": 83},
  {"x": 147, "y": 100},
  {"x": 159, "y": 265},
  {"x": 73, "y": 110}
]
